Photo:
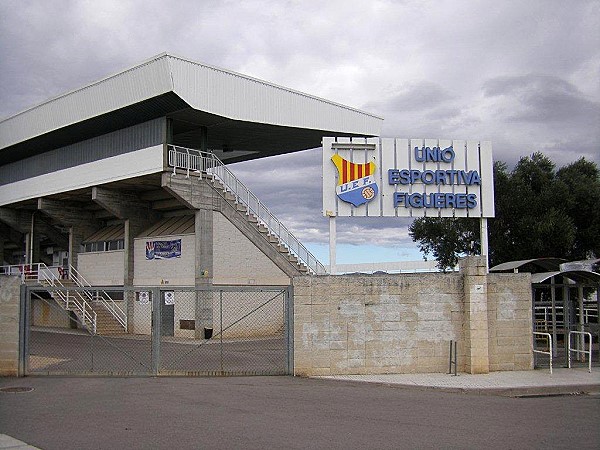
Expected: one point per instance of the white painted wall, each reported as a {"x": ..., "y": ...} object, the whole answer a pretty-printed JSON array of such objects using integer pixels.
[
  {"x": 102, "y": 268},
  {"x": 161, "y": 272},
  {"x": 237, "y": 261},
  {"x": 128, "y": 165}
]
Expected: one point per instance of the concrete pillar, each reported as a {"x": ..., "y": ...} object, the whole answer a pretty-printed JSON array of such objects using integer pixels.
[
  {"x": 203, "y": 270},
  {"x": 476, "y": 314},
  {"x": 76, "y": 237},
  {"x": 9, "y": 325},
  {"x": 132, "y": 228},
  {"x": 27, "y": 248}
]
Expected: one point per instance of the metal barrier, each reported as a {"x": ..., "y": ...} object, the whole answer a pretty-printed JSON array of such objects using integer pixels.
[
  {"x": 198, "y": 162},
  {"x": 452, "y": 359},
  {"x": 582, "y": 335},
  {"x": 221, "y": 331},
  {"x": 549, "y": 352},
  {"x": 99, "y": 296}
]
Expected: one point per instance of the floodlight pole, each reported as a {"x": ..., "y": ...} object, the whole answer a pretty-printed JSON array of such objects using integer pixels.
[
  {"x": 332, "y": 242},
  {"x": 483, "y": 232}
]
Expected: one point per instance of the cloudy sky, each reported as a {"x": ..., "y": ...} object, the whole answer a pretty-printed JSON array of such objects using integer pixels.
[{"x": 523, "y": 74}]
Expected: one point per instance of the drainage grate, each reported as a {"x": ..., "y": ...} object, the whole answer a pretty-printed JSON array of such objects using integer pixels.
[{"x": 16, "y": 390}]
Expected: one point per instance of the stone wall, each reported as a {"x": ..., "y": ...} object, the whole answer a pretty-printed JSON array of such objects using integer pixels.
[
  {"x": 9, "y": 325},
  {"x": 374, "y": 324},
  {"x": 510, "y": 321}
]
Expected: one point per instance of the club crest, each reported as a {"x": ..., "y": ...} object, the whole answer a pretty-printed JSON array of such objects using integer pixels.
[{"x": 356, "y": 182}]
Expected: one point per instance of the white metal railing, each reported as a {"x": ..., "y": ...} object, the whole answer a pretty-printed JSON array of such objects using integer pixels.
[
  {"x": 70, "y": 300},
  {"x": 95, "y": 295},
  {"x": 198, "y": 162},
  {"x": 543, "y": 317},
  {"x": 578, "y": 350},
  {"x": 543, "y": 352}
]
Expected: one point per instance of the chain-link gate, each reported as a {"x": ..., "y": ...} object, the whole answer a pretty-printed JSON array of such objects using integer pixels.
[{"x": 152, "y": 331}]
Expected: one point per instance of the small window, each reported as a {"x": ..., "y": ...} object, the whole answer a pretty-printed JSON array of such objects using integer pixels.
[{"x": 115, "y": 245}]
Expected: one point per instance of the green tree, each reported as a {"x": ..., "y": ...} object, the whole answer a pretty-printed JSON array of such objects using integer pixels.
[{"x": 539, "y": 212}]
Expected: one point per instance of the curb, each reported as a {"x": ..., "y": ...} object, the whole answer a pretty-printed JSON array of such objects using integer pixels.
[{"x": 513, "y": 391}]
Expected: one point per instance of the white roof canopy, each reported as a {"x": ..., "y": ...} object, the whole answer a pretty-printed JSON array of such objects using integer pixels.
[{"x": 238, "y": 111}]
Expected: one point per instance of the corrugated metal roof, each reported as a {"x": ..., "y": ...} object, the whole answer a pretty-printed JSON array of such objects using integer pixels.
[
  {"x": 170, "y": 226},
  {"x": 578, "y": 276},
  {"x": 111, "y": 233},
  {"x": 544, "y": 263},
  {"x": 206, "y": 88}
]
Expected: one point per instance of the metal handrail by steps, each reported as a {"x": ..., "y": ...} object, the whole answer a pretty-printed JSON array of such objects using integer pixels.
[
  {"x": 95, "y": 295},
  {"x": 197, "y": 162},
  {"x": 68, "y": 300}
]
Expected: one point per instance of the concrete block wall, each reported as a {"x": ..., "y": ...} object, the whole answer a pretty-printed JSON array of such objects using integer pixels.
[
  {"x": 102, "y": 268},
  {"x": 9, "y": 325},
  {"x": 238, "y": 261},
  {"x": 510, "y": 323},
  {"x": 374, "y": 324},
  {"x": 172, "y": 271}
]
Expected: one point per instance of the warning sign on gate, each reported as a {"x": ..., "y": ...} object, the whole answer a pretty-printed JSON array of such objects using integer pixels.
[
  {"x": 169, "y": 298},
  {"x": 144, "y": 297}
]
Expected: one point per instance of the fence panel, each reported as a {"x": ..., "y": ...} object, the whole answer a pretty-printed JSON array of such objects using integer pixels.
[
  {"x": 179, "y": 331},
  {"x": 225, "y": 331},
  {"x": 59, "y": 342}
]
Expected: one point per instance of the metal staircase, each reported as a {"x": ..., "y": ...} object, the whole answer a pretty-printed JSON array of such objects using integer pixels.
[
  {"x": 95, "y": 309},
  {"x": 205, "y": 164}
]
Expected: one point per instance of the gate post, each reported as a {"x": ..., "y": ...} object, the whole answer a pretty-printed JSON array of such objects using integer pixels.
[
  {"x": 156, "y": 329},
  {"x": 23, "y": 330},
  {"x": 289, "y": 328}
]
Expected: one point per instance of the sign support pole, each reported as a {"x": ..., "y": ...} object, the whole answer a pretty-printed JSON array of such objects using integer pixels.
[
  {"x": 332, "y": 243},
  {"x": 483, "y": 230}
]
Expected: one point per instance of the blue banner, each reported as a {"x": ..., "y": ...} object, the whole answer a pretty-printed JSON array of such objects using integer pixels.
[{"x": 163, "y": 249}]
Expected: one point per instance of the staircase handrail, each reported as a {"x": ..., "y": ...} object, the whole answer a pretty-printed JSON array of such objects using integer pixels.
[
  {"x": 110, "y": 305},
  {"x": 192, "y": 160},
  {"x": 88, "y": 315}
]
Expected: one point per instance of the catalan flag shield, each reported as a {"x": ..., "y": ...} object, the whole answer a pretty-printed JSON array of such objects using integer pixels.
[{"x": 356, "y": 182}]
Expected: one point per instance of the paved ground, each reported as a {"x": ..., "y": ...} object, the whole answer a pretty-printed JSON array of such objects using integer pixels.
[
  {"x": 287, "y": 412},
  {"x": 75, "y": 352},
  {"x": 514, "y": 384}
]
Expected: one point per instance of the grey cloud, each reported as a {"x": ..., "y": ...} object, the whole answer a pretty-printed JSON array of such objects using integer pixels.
[
  {"x": 418, "y": 96},
  {"x": 544, "y": 98}
]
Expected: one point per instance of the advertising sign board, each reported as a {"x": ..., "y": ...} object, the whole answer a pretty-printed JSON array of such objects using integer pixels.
[{"x": 392, "y": 177}]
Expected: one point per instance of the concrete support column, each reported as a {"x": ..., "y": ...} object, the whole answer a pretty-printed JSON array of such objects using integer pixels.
[
  {"x": 76, "y": 237},
  {"x": 27, "y": 248},
  {"x": 475, "y": 325},
  {"x": 9, "y": 325},
  {"x": 131, "y": 229},
  {"x": 204, "y": 270}
]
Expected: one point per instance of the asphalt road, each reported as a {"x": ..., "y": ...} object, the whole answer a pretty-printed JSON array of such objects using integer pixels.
[
  {"x": 73, "y": 354},
  {"x": 284, "y": 412}
]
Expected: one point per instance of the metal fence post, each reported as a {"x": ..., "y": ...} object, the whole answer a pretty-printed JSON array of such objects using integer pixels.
[
  {"x": 221, "y": 327},
  {"x": 23, "y": 331},
  {"x": 288, "y": 300},
  {"x": 156, "y": 321}
]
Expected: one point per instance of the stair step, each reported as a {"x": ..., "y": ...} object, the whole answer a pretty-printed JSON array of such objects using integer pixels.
[{"x": 252, "y": 218}]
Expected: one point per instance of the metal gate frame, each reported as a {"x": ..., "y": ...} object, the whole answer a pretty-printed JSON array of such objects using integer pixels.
[{"x": 26, "y": 321}]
